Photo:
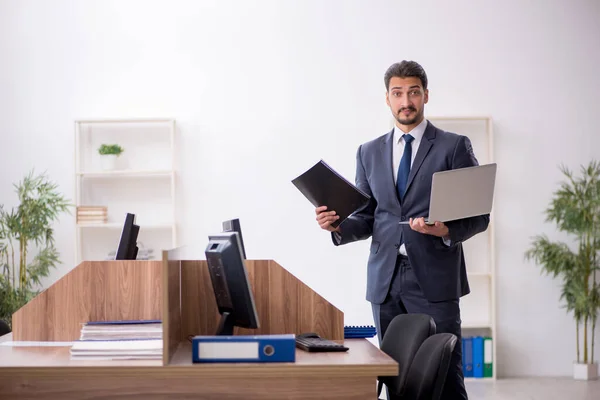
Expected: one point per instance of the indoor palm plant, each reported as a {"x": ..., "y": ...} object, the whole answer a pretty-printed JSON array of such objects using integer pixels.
[
  {"x": 24, "y": 231},
  {"x": 575, "y": 209}
]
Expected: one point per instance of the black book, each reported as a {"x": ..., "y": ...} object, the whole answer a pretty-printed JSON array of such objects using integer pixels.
[{"x": 323, "y": 186}]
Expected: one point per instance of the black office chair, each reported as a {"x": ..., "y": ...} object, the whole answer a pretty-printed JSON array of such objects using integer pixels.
[
  {"x": 401, "y": 341},
  {"x": 428, "y": 371},
  {"x": 4, "y": 328}
]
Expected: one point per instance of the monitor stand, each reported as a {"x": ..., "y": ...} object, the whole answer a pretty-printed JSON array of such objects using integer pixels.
[{"x": 226, "y": 324}]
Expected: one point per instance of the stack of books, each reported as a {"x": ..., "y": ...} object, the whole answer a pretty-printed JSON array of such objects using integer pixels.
[
  {"x": 119, "y": 340},
  {"x": 92, "y": 214}
]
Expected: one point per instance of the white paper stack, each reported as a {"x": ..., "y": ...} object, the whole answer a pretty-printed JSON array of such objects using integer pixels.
[
  {"x": 145, "y": 349},
  {"x": 121, "y": 330},
  {"x": 119, "y": 340}
]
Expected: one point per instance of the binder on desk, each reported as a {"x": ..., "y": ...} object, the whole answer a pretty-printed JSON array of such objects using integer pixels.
[
  {"x": 323, "y": 186},
  {"x": 244, "y": 348}
]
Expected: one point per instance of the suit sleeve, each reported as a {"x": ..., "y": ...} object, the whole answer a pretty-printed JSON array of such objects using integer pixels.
[
  {"x": 463, "y": 229},
  {"x": 358, "y": 226}
]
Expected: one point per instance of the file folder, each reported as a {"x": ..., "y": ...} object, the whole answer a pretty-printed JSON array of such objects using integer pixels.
[
  {"x": 488, "y": 357},
  {"x": 323, "y": 186},
  {"x": 478, "y": 357},
  {"x": 467, "y": 356},
  {"x": 244, "y": 348}
]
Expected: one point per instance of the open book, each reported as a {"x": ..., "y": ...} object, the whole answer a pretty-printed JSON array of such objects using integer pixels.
[{"x": 323, "y": 186}]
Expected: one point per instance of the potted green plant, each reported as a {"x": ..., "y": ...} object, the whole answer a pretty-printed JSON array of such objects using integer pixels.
[
  {"x": 575, "y": 209},
  {"x": 109, "y": 154},
  {"x": 27, "y": 251}
]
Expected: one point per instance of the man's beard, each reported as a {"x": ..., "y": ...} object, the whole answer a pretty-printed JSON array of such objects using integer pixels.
[{"x": 410, "y": 121}]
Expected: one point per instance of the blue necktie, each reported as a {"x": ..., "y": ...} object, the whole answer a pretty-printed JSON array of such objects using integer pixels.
[{"x": 404, "y": 168}]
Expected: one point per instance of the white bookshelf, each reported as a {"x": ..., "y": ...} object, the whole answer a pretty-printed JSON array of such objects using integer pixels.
[
  {"x": 142, "y": 183},
  {"x": 478, "y": 309}
]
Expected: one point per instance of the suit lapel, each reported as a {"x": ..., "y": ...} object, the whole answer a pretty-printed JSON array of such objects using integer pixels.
[
  {"x": 386, "y": 155},
  {"x": 424, "y": 147}
]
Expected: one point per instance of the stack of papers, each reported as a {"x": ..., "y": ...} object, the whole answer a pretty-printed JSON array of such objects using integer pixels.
[
  {"x": 121, "y": 330},
  {"x": 149, "y": 349},
  {"x": 119, "y": 340}
]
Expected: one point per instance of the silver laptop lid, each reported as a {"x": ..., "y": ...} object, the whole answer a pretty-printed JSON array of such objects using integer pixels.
[{"x": 462, "y": 193}]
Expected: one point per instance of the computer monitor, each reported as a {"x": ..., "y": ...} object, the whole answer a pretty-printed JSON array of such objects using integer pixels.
[
  {"x": 230, "y": 283},
  {"x": 233, "y": 225},
  {"x": 127, "y": 248}
]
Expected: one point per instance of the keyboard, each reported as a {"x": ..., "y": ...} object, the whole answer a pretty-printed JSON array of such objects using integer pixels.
[{"x": 314, "y": 343}]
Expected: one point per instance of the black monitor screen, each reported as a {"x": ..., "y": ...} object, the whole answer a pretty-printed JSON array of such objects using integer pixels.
[
  {"x": 230, "y": 283},
  {"x": 127, "y": 249},
  {"x": 233, "y": 225}
]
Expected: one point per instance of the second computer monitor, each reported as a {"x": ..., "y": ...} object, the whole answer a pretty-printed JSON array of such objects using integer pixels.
[
  {"x": 233, "y": 225},
  {"x": 127, "y": 248},
  {"x": 231, "y": 286}
]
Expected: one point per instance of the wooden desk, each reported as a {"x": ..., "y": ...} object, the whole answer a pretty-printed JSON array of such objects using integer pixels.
[{"x": 49, "y": 373}]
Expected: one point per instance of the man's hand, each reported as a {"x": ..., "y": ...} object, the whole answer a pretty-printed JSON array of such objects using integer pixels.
[
  {"x": 438, "y": 229},
  {"x": 325, "y": 218}
]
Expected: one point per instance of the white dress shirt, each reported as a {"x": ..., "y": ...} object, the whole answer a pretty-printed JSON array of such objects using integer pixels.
[{"x": 398, "y": 149}]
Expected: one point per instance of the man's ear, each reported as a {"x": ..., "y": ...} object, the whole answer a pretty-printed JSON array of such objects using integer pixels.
[
  {"x": 426, "y": 96},
  {"x": 387, "y": 98}
]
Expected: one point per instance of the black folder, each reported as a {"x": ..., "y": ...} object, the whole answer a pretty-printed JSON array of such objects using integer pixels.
[{"x": 323, "y": 186}]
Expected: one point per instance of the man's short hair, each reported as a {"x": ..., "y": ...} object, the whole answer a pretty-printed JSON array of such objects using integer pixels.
[{"x": 405, "y": 69}]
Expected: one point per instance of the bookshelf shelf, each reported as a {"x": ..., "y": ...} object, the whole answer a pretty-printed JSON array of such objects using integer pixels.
[
  {"x": 116, "y": 225},
  {"x": 126, "y": 173},
  {"x": 141, "y": 182},
  {"x": 466, "y": 324},
  {"x": 479, "y": 274},
  {"x": 485, "y": 379}
]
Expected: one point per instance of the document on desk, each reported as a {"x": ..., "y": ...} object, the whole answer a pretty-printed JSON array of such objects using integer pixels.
[
  {"x": 117, "y": 349},
  {"x": 244, "y": 348},
  {"x": 323, "y": 186},
  {"x": 121, "y": 330}
]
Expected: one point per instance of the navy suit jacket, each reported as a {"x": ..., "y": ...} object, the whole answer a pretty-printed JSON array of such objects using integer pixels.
[{"x": 439, "y": 268}]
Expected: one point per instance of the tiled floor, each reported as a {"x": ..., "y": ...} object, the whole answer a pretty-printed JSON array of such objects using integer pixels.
[{"x": 534, "y": 389}]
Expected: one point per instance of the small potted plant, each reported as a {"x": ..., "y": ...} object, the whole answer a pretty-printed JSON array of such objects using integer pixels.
[{"x": 109, "y": 154}]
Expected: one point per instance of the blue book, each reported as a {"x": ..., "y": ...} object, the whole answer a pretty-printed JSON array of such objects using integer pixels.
[
  {"x": 467, "y": 357},
  {"x": 126, "y": 322},
  {"x": 244, "y": 348},
  {"x": 478, "y": 357}
]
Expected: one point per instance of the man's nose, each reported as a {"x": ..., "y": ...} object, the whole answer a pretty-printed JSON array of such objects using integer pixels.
[{"x": 404, "y": 101}]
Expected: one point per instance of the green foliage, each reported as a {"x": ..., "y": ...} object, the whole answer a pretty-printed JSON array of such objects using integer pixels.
[
  {"x": 110, "y": 149},
  {"x": 29, "y": 224},
  {"x": 575, "y": 209}
]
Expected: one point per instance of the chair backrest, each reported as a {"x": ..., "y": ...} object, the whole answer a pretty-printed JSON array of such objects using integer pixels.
[
  {"x": 4, "y": 328},
  {"x": 401, "y": 341},
  {"x": 428, "y": 371}
]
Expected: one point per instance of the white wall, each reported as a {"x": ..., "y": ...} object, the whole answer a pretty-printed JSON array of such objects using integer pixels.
[{"x": 270, "y": 87}]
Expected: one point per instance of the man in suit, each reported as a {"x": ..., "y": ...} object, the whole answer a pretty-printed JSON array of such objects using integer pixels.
[{"x": 415, "y": 267}]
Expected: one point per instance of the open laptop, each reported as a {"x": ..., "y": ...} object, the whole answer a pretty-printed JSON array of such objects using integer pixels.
[{"x": 461, "y": 193}]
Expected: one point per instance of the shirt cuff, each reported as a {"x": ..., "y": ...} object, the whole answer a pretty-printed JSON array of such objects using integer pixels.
[{"x": 447, "y": 242}]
